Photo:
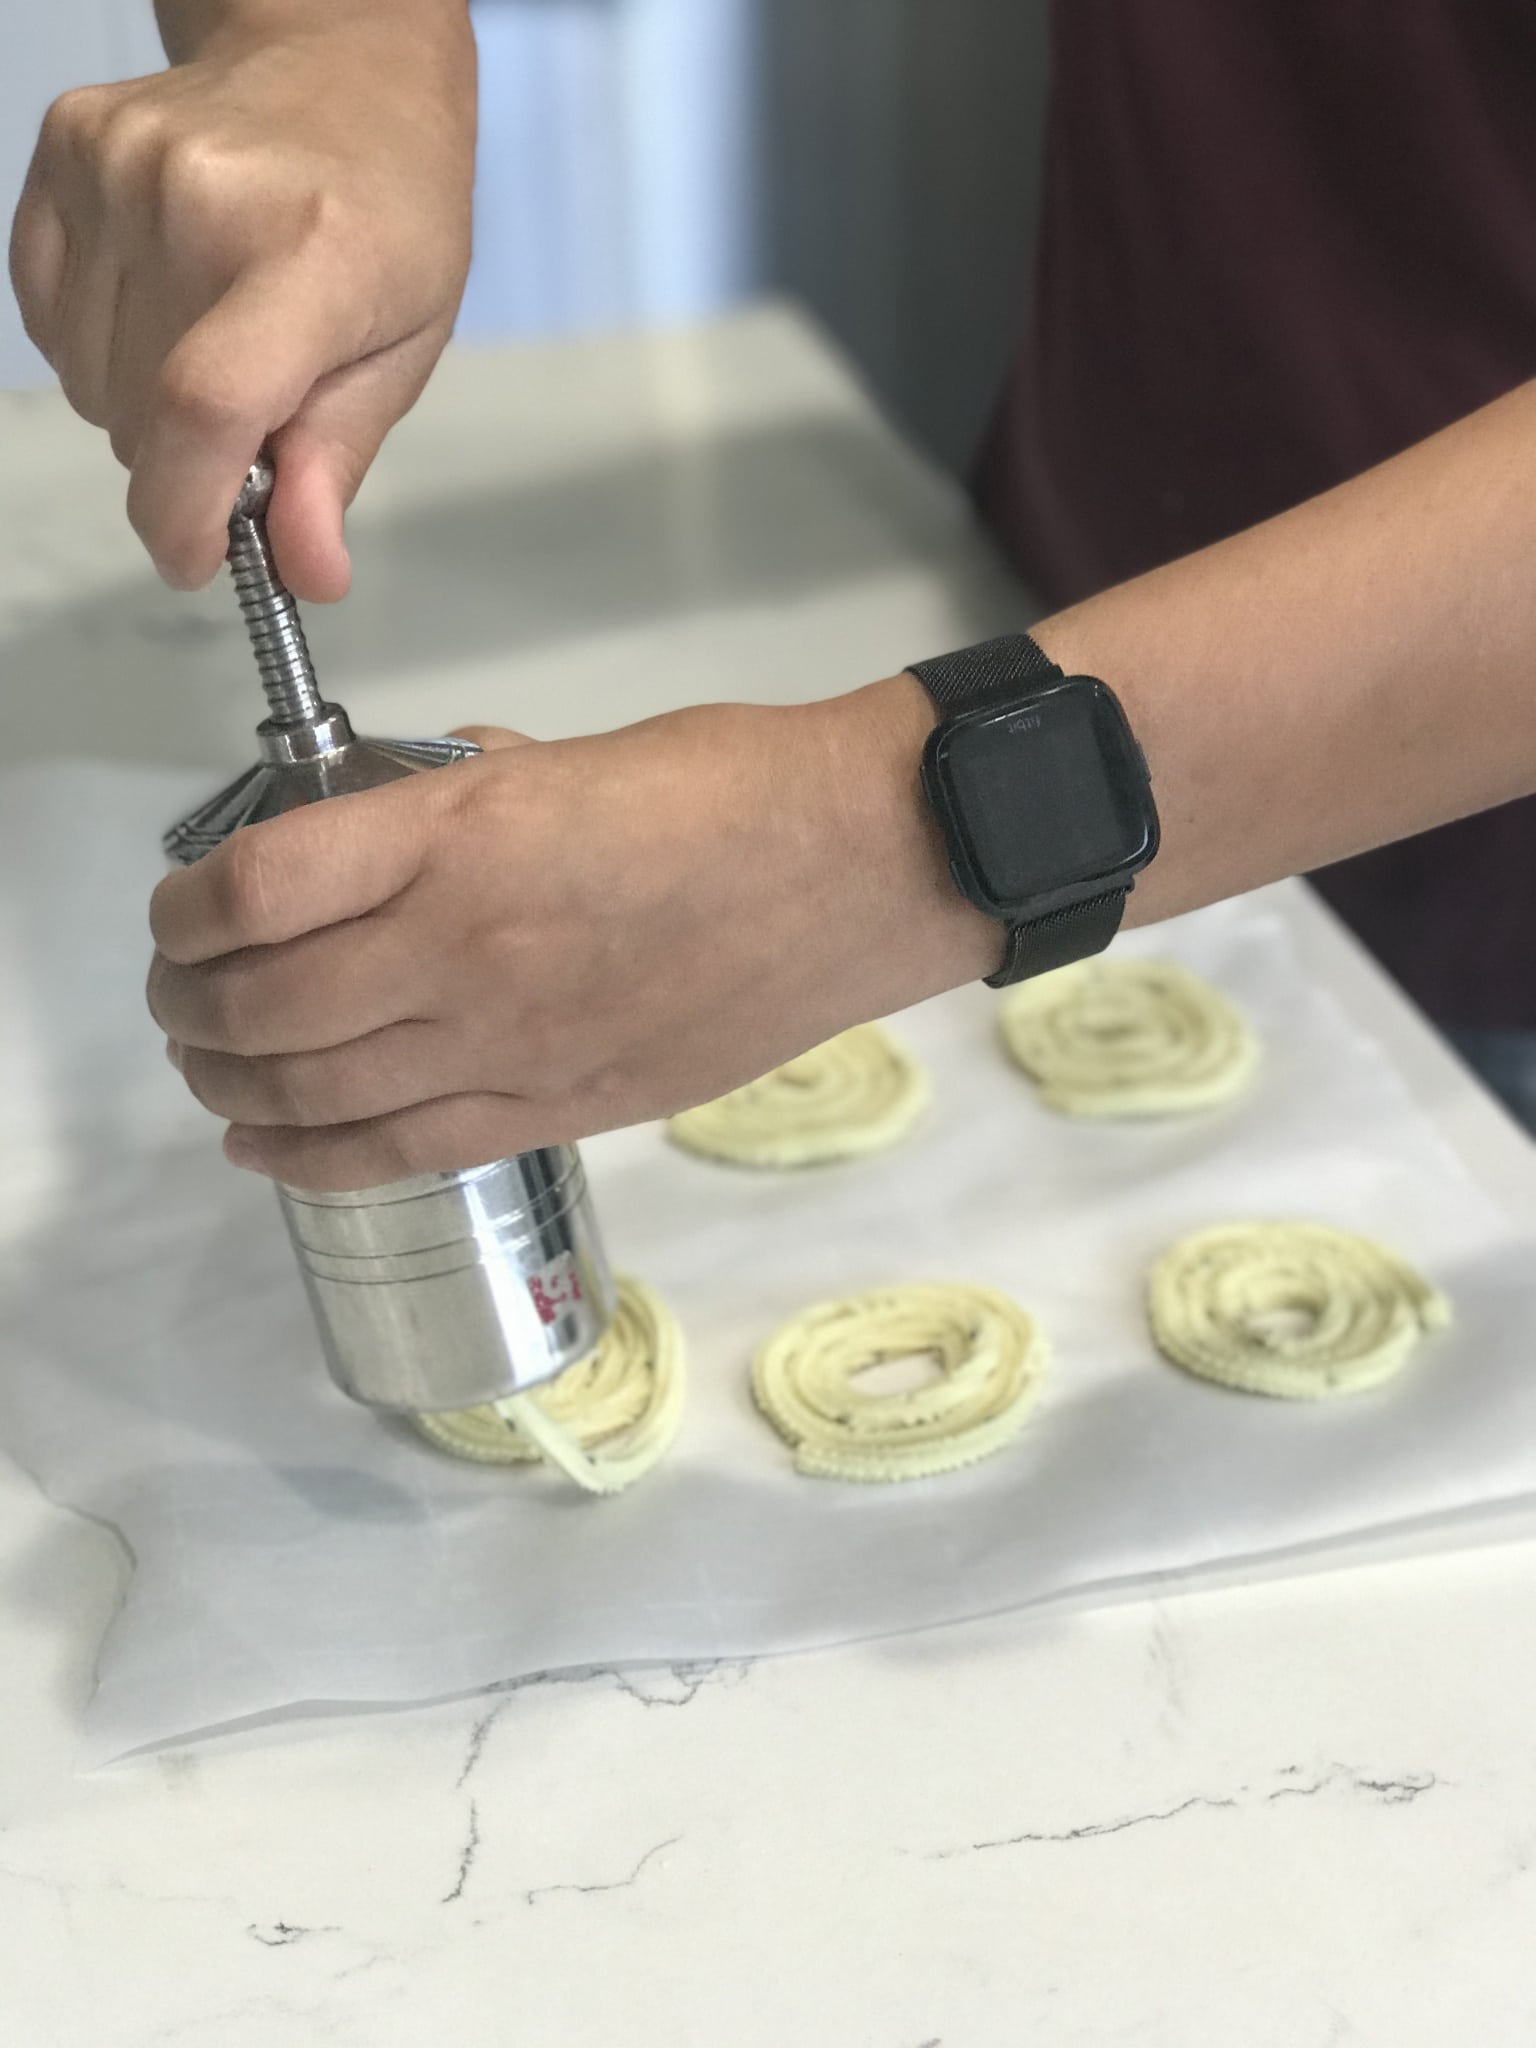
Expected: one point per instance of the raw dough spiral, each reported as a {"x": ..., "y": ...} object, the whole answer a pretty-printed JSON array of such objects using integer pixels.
[
  {"x": 1297, "y": 1310},
  {"x": 858, "y": 1093},
  {"x": 991, "y": 1360},
  {"x": 1110, "y": 1038},
  {"x": 604, "y": 1422}
]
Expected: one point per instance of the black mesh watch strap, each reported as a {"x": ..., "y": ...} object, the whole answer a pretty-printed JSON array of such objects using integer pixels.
[
  {"x": 976, "y": 675},
  {"x": 1059, "y": 938},
  {"x": 993, "y": 672}
]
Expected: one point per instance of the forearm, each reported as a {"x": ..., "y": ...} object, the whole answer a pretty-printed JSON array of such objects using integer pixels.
[
  {"x": 710, "y": 892},
  {"x": 189, "y": 27},
  {"x": 1356, "y": 670}
]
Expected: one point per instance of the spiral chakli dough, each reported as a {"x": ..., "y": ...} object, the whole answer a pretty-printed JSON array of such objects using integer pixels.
[
  {"x": 991, "y": 1360},
  {"x": 604, "y": 1421},
  {"x": 1297, "y": 1310},
  {"x": 1113, "y": 1038},
  {"x": 858, "y": 1093}
]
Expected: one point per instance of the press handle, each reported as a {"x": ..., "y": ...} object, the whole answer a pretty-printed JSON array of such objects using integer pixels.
[{"x": 271, "y": 616}]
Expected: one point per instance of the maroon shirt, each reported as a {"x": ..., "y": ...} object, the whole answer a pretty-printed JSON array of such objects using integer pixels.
[{"x": 1282, "y": 240}]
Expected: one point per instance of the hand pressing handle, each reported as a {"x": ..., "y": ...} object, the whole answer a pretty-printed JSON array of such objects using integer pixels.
[{"x": 264, "y": 243}]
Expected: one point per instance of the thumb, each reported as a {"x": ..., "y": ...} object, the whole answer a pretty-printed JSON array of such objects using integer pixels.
[{"x": 326, "y": 449}]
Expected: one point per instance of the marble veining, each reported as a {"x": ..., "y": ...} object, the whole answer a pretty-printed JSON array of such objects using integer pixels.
[
  {"x": 618, "y": 1884},
  {"x": 1294, "y": 1782}
]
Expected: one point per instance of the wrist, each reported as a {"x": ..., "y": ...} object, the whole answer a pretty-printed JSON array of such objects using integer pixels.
[
  {"x": 389, "y": 85},
  {"x": 1087, "y": 639},
  {"x": 190, "y": 29},
  {"x": 892, "y": 843}
]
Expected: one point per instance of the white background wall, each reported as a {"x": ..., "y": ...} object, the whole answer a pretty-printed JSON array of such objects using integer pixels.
[
  {"x": 652, "y": 160},
  {"x": 616, "y": 164}
]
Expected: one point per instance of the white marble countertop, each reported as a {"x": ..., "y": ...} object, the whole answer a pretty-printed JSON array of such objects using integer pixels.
[{"x": 1292, "y": 1815}]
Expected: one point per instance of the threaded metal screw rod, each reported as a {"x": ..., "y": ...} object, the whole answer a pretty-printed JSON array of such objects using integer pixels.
[{"x": 271, "y": 616}]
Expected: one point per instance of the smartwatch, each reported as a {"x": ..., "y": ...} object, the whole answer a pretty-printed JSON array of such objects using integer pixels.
[{"x": 1043, "y": 798}]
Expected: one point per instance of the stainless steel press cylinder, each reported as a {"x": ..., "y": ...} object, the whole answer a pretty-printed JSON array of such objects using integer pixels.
[
  {"x": 454, "y": 1288},
  {"x": 450, "y": 1289}
]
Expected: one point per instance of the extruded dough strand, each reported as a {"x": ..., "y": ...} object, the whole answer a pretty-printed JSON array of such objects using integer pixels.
[
  {"x": 1128, "y": 1038},
  {"x": 1297, "y": 1310},
  {"x": 991, "y": 1358},
  {"x": 603, "y": 1422},
  {"x": 860, "y": 1092}
]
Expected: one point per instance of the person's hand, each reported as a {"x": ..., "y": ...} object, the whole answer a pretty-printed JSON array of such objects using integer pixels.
[
  {"x": 266, "y": 242},
  {"x": 558, "y": 938}
]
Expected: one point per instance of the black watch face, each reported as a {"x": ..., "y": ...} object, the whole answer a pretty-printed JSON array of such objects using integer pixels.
[{"x": 1048, "y": 795}]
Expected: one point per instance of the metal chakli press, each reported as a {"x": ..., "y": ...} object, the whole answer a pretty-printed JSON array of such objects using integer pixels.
[{"x": 449, "y": 1289}]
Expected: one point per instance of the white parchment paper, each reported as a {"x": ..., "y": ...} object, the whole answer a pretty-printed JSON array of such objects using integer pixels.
[{"x": 158, "y": 1370}]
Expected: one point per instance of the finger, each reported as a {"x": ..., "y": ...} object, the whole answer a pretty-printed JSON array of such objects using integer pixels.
[
  {"x": 89, "y": 313},
  {"x": 306, "y": 521},
  {"x": 150, "y": 322},
  {"x": 323, "y": 990},
  {"x": 444, "y": 1136},
  {"x": 235, "y": 377},
  {"x": 392, "y": 1069},
  {"x": 490, "y": 739},
  {"x": 319, "y": 866},
  {"x": 39, "y": 244}
]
